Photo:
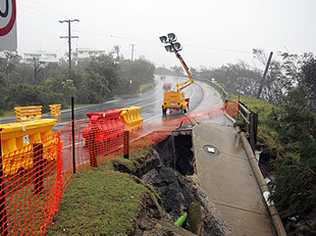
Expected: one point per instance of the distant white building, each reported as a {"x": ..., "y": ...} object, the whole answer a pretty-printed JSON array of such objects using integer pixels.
[
  {"x": 85, "y": 53},
  {"x": 40, "y": 56}
]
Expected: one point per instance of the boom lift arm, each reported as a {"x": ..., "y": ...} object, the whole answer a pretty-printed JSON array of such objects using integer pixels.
[{"x": 181, "y": 86}]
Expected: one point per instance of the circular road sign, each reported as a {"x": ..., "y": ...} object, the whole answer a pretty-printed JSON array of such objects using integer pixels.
[{"x": 11, "y": 17}]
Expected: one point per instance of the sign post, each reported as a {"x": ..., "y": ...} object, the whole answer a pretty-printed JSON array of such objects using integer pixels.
[{"x": 8, "y": 35}]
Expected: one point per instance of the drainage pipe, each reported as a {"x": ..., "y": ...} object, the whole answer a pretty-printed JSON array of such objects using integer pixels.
[
  {"x": 180, "y": 221},
  {"x": 276, "y": 220}
]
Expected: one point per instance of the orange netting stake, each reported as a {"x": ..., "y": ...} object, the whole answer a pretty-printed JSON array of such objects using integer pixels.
[
  {"x": 126, "y": 144},
  {"x": 3, "y": 211}
]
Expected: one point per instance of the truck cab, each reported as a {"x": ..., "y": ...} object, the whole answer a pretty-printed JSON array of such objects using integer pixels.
[{"x": 176, "y": 101}]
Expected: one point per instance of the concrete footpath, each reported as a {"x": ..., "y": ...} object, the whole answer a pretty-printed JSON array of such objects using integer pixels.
[{"x": 229, "y": 182}]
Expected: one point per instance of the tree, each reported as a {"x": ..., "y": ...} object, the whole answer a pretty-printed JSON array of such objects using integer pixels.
[
  {"x": 308, "y": 79},
  {"x": 177, "y": 70},
  {"x": 105, "y": 70},
  {"x": 295, "y": 122},
  {"x": 239, "y": 79},
  {"x": 93, "y": 80}
]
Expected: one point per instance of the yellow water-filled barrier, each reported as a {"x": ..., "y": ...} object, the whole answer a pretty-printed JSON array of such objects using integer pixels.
[
  {"x": 132, "y": 118},
  {"x": 28, "y": 113},
  {"x": 17, "y": 140},
  {"x": 55, "y": 110}
]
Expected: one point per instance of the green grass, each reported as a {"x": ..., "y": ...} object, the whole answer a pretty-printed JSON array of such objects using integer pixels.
[
  {"x": 100, "y": 202},
  {"x": 259, "y": 106},
  {"x": 146, "y": 87},
  {"x": 7, "y": 114},
  {"x": 82, "y": 105}
]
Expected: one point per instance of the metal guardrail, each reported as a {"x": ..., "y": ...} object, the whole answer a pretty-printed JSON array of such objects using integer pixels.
[
  {"x": 219, "y": 88},
  {"x": 251, "y": 120}
]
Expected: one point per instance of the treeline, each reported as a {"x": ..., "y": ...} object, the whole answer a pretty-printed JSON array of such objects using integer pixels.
[
  {"x": 92, "y": 80},
  {"x": 294, "y": 120}
]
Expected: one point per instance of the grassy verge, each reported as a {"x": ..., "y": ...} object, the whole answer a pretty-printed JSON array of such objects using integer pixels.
[
  {"x": 146, "y": 87},
  {"x": 7, "y": 114},
  {"x": 100, "y": 201}
]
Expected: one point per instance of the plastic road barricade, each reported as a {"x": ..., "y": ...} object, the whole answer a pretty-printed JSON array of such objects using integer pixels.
[
  {"x": 17, "y": 141},
  {"x": 28, "y": 113},
  {"x": 55, "y": 110},
  {"x": 104, "y": 132},
  {"x": 132, "y": 118},
  {"x": 108, "y": 125}
]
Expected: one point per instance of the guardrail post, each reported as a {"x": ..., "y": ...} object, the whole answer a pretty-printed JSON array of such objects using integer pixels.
[
  {"x": 252, "y": 130},
  {"x": 126, "y": 144},
  {"x": 92, "y": 147},
  {"x": 38, "y": 163},
  {"x": 3, "y": 211}
]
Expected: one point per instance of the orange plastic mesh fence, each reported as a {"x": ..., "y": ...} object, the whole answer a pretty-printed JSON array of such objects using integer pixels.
[
  {"x": 96, "y": 142},
  {"x": 31, "y": 187}
]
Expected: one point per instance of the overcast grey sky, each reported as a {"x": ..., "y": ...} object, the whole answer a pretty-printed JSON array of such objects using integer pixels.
[{"x": 213, "y": 32}]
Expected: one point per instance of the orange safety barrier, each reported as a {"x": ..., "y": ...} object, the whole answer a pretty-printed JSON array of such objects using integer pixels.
[
  {"x": 232, "y": 108},
  {"x": 103, "y": 130},
  {"x": 16, "y": 139},
  {"x": 28, "y": 113},
  {"x": 55, "y": 110},
  {"x": 132, "y": 118},
  {"x": 107, "y": 124},
  {"x": 30, "y": 199}
]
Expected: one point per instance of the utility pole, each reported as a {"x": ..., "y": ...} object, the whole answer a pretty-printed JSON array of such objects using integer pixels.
[
  {"x": 35, "y": 69},
  {"x": 133, "y": 51},
  {"x": 117, "y": 51},
  {"x": 264, "y": 75},
  {"x": 69, "y": 37}
]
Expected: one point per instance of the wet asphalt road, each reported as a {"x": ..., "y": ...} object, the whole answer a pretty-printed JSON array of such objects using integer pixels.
[
  {"x": 150, "y": 102},
  {"x": 202, "y": 97}
]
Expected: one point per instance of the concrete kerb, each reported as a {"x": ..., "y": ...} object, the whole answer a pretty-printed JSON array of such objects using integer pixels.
[
  {"x": 275, "y": 217},
  {"x": 218, "y": 87}
]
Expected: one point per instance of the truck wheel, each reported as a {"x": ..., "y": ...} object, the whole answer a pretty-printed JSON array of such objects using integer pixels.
[{"x": 164, "y": 112}]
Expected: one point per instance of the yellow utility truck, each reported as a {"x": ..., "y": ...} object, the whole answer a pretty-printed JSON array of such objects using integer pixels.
[{"x": 176, "y": 100}]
